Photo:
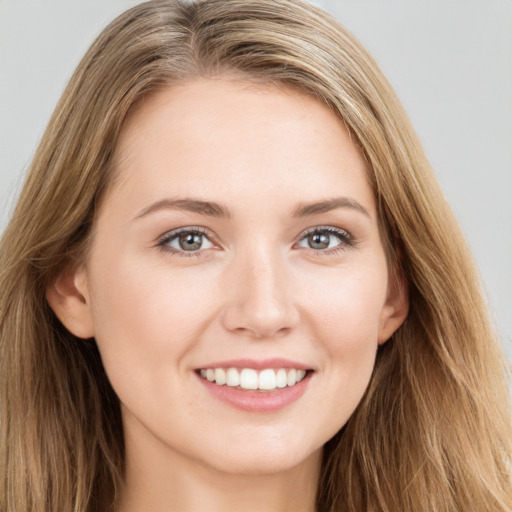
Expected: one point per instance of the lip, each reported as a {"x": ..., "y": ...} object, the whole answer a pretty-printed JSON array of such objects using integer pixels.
[
  {"x": 257, "y": 401},
  {"x": 276, "y": 362}
]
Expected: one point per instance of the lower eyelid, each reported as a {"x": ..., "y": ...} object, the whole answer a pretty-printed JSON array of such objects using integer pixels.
[{"x": 181, "y": 254}]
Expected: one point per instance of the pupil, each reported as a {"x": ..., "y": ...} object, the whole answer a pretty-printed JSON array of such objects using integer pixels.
[
  {"x": 319, "y": 241},
  {"x": 190, "y": 241}
]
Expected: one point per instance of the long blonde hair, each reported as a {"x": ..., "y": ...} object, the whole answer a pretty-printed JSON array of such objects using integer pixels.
[{"x": 433, "y": 430}]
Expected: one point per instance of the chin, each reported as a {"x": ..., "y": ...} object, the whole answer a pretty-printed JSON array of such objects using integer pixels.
[{"x": 262, "y": 458}]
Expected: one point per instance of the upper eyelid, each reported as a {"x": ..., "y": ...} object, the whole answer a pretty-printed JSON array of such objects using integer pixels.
[
  {"x": 186, "y": 229},
  {"x": 332, "y": 229},
  {"x": 326, "y": 227}
]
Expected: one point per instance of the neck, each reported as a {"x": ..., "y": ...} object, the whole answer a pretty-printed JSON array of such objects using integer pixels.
[{"x": 161, "y": 480}]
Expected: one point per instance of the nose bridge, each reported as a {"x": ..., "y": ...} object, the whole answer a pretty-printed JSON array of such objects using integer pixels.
[
  {"x": 266, "y": 273},
  {"x": 260, "y": 302}
]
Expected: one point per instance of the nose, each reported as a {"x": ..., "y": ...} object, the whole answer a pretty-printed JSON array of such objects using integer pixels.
[{"x": 259, "y": 301}]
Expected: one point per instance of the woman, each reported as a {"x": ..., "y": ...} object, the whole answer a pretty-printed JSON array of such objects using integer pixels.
[{"x": 231, "y": 280}]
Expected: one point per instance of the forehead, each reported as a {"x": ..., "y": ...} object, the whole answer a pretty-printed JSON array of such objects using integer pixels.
[{"x": 216, "y": 135}]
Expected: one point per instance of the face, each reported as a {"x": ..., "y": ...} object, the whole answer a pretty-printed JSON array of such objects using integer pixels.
[{"x": 238, "y": 249}]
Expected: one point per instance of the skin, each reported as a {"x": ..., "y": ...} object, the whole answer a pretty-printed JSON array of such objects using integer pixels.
[{"x": 254, "y": 289}]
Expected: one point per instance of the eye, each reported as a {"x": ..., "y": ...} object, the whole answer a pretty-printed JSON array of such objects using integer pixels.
[
  {"x": 186, "y": 240},
  {"x": 326, "y": 238}
]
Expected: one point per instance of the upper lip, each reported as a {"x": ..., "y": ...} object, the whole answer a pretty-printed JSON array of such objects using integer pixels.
[{"x": 257, "y": 364}]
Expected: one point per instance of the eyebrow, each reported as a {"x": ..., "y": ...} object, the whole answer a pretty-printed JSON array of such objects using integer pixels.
[
  {"x": 208, "y": 208},
  {"x": 330, "y": 204},
  {"x": 213, "y": 209}
]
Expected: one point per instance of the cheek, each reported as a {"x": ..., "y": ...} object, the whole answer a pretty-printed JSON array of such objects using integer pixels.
[
  {"x": 144, "y": 301},
  {"x": 349, "y": 307},
  {"x": 146, "y": 320},
  {"x": 347, "y": 326}
]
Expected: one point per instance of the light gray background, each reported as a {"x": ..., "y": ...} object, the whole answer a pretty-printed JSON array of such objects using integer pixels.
[{"x": 449, "y": 60}]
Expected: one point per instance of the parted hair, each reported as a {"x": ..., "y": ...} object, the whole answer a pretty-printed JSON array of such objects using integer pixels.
[{"x": 432, "y": 432}]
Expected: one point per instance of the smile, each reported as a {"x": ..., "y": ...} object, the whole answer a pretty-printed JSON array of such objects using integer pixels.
[
  {"x": 251, "y": 379},
  {"x": 256, "y": 386}
]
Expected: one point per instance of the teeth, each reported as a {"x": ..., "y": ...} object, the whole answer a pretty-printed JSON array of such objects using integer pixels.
[
  {"x": 248, "y": 378},
  {"x": 220, "y": 376},
  {"x": 281, "y": 378},
  {"x": 233, "y": 377},
  {"x": 267, "y": 379}
]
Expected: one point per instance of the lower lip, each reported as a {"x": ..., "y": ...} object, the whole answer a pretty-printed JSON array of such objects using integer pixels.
[{"x": 258, "y": 401}]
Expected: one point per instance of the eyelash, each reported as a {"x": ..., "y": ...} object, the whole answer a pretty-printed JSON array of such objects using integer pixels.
[
  {"x": 346, "y": 240},
  {"x": 172, "y": 235}
]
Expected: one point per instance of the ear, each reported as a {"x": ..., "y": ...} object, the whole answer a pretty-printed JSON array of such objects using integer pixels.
[
  {"x": 68, "y": 296},
  {"x": 395, "y": 309}
]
